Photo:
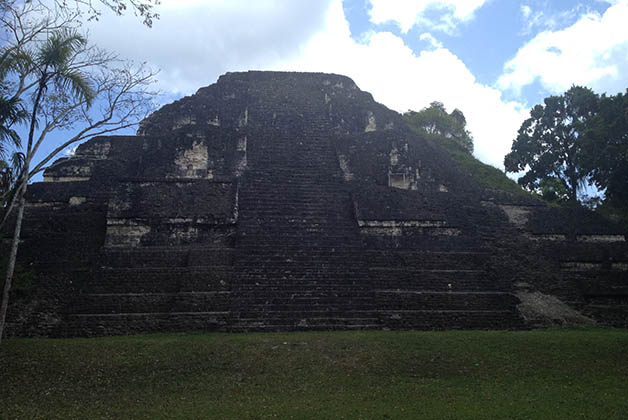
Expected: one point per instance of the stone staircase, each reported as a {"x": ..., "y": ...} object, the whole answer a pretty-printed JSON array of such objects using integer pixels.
[
  {"x": 152, "y": 289},
  {"x": 426, "y": 289},
  {"x": 298, "y": 248},
  {"x": 601, "y": 286}
]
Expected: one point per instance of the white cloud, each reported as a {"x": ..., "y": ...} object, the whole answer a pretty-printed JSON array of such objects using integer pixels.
[
  {"x": 533, "y": 19},
  {"x": 592, "y": 51},
  {"x": 195, "y": 44},
  {"x": 402, "y": 80},
  {"x": 70, "y": 151},
  {"x": 407, "y": 13},
  {"x": 194, "y": 41},
  {"x": 544, "y": 17}
]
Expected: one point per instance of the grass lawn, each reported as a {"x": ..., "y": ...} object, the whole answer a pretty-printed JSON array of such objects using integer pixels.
[{"x": 548, "y": 374}]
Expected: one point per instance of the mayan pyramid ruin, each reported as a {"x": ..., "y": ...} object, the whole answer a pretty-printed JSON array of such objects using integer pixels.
[{"x": 293, "y": 201}]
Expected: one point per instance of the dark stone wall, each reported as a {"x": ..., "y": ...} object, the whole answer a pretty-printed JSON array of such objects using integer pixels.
[{"x": 289, "y": 201}]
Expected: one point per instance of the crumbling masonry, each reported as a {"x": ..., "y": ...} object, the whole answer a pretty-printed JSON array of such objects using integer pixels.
[{"x": 289, "y": 201}]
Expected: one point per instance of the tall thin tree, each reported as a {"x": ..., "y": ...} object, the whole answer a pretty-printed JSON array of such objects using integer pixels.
[
  {"x": 52, "y": 66},
  {"x": 58, "y": 76}
]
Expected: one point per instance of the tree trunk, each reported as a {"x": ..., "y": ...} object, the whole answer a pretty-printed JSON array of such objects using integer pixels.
[
  {"x": 12, "y": 258},
  {"x": 22, "y": 200}
]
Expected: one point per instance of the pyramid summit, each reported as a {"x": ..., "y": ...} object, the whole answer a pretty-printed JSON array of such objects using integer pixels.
[{"x": 293, "y": 201}]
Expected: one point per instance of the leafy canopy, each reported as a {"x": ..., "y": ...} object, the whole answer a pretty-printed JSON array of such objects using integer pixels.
[
  {"x": 54, "y": 63},
  {"x": 434, "y": 120},
  {"x": 550, "y": 145},
  {"x": 606, "y": 157}
]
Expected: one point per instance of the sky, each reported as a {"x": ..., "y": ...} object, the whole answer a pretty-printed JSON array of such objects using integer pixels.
[{"x": 492, "y": 59}]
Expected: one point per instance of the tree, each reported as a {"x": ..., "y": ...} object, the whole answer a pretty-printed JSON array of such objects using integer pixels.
[
  {"x": 606, "y": 156},
  {"x": 11, "y": 113},
  {"x": 65, "y": 84},
  {"x": 10, "y": 171},
  {"x": 550, "y": 144},
  {"x": 143, "y": 8},
  {"x": 434, "y": 120}
]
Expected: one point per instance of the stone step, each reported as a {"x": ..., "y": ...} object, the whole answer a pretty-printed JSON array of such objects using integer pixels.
[
  {"x": 167, "y": 257},
  {"x": 302, "y": 256},
  {"x": 614, "y": 315},
  {"x": 303, "y": 282},
  {"x": 271, "y": 320},
  {"x": 245, "y": 242},
  {"x": 264, "y": 227},
  {"x": 315, "y": 300},
  {"x": 306, "y": 313},
  {"x": 48, "y": 264},
  {"x": 435, "y": 280},
  {"x": 111, "y": 303},
  {"x": 295, "y": 278},
  {"x": 426, "y": 259},
  {"x": 294, "y": 223},
  {"x": 295, "y": 250},
  {"x": 425, "y": 242},
  {"x": 431, "y": 300},
  {"x": 260, "y": 224},
  {"x": 289, "y": 166},
  {"x": 292, "y": 210},
  {"x": 304, "y": 300},
  {"x": 62, "y": 244},
  {"x": 286, "y": 265},
  {"x": 278, "y": 269},
  {"x": 279, "y": 149},
  {"x": 324, "y": 208},
  {"x": 600, "y": 282},
  {"x": 267, "y": 234},
  {"x": 287, "y": 249},
  {"x": 286, "y": 271},
  {"x": 252, "y": 308},
  {"x": 451, "y": 319},
  {"x": 295, "y": 176},
  {"x": 90, "y": 325},
  {"x": 284, "y": 289},
  {"x": 329, "y": 188},
  {"x": 160, "y": 280},
  {"x": 311, "y": 199},
  {"x": 261, "y": 327},
  {"x": 326, "y": 253},
  {"x": 294, "y": 179}
]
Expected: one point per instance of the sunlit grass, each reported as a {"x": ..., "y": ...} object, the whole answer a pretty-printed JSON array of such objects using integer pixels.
[{"x": 557, "y": 374}]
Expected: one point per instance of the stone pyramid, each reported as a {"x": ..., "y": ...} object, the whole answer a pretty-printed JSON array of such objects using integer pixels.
[{"x": 294, "y": 201}]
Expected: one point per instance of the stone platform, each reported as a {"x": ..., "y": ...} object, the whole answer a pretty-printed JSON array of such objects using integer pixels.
[{"x": 293, "y": 201}]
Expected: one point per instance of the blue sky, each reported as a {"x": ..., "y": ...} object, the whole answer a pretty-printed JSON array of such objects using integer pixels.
[{"x": 493, "y": 59}]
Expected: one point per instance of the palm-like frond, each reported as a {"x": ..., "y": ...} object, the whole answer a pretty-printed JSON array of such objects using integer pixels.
[
  {"x": 9, "y": 173},
  {"x": 77, "y": 83},
  {"x": 17, "y": 161},
  {"x": 14, "y": 60},
  {"x": 11, "y": 112},
  {"x": 60, "y": 47},
  {"x": 54, "y": 58}
]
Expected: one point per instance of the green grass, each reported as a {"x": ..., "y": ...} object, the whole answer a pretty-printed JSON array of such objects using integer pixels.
[
  {"x": 486, "y": 175},
  {"x": 551, "y": 374}
]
